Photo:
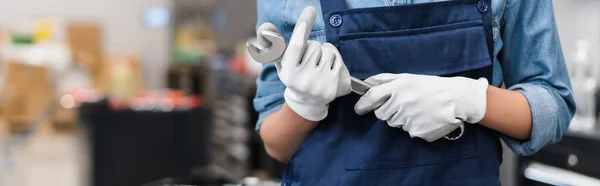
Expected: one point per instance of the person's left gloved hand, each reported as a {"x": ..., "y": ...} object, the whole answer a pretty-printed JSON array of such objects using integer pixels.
[{"x": 428, "y": 107}]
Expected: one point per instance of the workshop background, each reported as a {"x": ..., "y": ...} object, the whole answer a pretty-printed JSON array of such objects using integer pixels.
[{"x": 159, "y": 92}]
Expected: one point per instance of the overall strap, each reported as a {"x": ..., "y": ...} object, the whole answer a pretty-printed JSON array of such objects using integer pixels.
[
  {"x": 485, "y": 6},
  {"x": 332, "y": 20},
  {"x": 328, "y": 6}
]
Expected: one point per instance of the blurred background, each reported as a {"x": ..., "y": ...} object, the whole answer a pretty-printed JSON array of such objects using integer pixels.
[{"x": 159, "y": 92}]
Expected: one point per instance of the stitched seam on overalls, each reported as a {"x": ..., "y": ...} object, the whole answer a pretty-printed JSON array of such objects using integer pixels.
[
  {"x": 442, "y": 4},
  {"x": 466, "y": 67},
  {"x": 422, "y": 162},
  {"x": 415, "y": 31}
]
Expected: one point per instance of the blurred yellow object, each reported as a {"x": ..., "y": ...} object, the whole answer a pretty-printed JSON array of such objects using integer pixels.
[
  {"x": 42, "y": 33},
  {"x": 124, "y": 78},
  {"x": 193, "y": 42},
  {"x": 185, "y": 37},
  {"x": 47, "y": 30}
]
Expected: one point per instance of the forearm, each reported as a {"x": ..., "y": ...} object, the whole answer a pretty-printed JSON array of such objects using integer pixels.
[
  {"x": 282, "y": 132},
  {"x": 508, "y": 112}
]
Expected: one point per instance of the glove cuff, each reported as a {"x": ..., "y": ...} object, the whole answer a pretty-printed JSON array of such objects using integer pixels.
[
  {"x": 478, "y": 98},
  {"x": 305, "y": 108}
]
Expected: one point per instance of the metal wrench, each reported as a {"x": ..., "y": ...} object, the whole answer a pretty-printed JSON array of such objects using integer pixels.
[
  {"x": 275, "y": 47},
  {"x": 274, "y": 43}
]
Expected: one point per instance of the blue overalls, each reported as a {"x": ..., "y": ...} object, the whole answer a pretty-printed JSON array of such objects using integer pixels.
[{"x": 451, "y": 38}]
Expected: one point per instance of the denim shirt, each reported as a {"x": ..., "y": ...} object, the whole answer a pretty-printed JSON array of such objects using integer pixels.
[{"x": 527, "y": 58}]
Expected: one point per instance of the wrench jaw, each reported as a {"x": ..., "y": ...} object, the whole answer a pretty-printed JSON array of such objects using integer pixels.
[
  {"x": 270, "y": 53},
  {"x": 254, "y": 51},
  {"x": 277, "y": 44}
]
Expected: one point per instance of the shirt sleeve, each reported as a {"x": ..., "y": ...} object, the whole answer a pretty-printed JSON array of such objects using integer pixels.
[
  {"x": 269, "y": 89},
  {"x": 269, "y": 93},
  {"x": 533, "y": 64}
]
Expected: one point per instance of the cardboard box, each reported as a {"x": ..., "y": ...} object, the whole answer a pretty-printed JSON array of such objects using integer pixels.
[
  {"x": 85, "y": 39},
  {"x": 26, "y": 94}
]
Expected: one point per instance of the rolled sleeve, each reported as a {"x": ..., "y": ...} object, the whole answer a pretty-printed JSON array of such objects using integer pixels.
[
  {"x": 269, "y": 94},
  {"x": 269, "y": 89},
  {"x": 544, "y": 113},
  {"x": 533, "y": 64}
]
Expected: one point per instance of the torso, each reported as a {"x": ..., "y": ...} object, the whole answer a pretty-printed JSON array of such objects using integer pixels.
[{"x": 346, "y": 149}]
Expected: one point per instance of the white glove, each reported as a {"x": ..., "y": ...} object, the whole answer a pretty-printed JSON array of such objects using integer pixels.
[
  {"x": 428, "y": 107},
  {"x": 314, "y": 74}
]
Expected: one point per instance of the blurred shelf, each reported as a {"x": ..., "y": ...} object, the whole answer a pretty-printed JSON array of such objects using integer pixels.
[
  {"x": 593, "y": 134},
  {"x": 576, "y": 154}
]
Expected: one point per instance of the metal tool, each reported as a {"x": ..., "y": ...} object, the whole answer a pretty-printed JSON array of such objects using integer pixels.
[
  {"x": 358, "y": 86},
  {"x": 275, "y": 47}
]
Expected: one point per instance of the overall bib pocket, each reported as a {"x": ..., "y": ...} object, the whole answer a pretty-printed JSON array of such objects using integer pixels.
[
  {"x": 455, "y": 49},
  {"x": 437, "y": 50}
]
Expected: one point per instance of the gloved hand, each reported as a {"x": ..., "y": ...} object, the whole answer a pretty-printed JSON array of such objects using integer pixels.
[
  {"x": 427, "y": 107},
  {"x": 314, "y": 74}
]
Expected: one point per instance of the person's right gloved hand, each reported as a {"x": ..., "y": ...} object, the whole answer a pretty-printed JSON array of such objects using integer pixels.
[{"x": 314, "y": 74}]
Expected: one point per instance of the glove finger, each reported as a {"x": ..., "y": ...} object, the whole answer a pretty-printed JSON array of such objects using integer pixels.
[
  {"x": 381, "y": 78},
  {"x": 426, "y": 133},
  {"x": 457, "y": 122},
  {"x": 303, "y": 28},
  {"x": 339, "y": 62},
  {"x": 386, "y": 113},
  {"x": 299, "y": 37},
  {"x": 308, "y": 16},
  {"x": 398, "y": 119},
  {"x": 327, "y": 58},
  {"x": 295, "y": 75},
  {"x": 259, "y": 34},
  {"x": 312, "y": 55},
  {"x": 344, "y": 84},
  {"x": 372, "y": 100}
]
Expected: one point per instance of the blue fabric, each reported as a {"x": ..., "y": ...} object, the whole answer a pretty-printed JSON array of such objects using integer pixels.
[
  {"x": 363, "y": 150},
  {"x": 450, "y": 39},
  {"x": 525, "y": 43}
]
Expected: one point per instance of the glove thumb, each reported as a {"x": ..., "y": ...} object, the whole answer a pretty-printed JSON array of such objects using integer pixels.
[
  {"x": 381, "y": 78},
  {"x": 372, "y": 100}
]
